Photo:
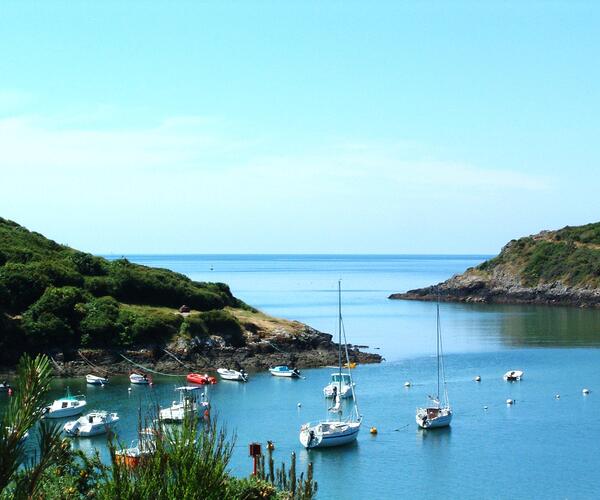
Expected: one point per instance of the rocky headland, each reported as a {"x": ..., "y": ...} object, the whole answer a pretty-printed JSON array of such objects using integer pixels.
[{"x": 559, "y": 267}]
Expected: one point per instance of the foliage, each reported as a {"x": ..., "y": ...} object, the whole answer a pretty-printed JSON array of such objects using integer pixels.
[
  {"x": 55, "y": 297},
  {"x": 222, "y": 323},
  {"x": 570, "y": 255}
]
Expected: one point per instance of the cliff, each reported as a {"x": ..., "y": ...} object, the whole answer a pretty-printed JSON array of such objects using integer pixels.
[{"x": 559, "y": 267}]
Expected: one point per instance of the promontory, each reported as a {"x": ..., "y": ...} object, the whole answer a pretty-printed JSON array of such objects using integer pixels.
[
  {"x": 559, "y": 267},
  {"x": 83, "y": 309}
]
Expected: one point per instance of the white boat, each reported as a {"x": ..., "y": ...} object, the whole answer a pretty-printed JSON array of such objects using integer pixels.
[
  {"x": 92, "y": 424},
  {"x": 341, "y": 384},
  {"x": 513, "y": 375},
  {"x": 69, "y": 406},
  {"x": 436, "y": 414},
  {"x": 189, "y": 404},
  {"x": 139, "y": 378},
  {"x": 284, "y": 371},
  {"x": 4, "y": 386},
  {"x": 335, "y": 431},
  {"x": 139, "y": 450},
  {"x": 227, "y": 374},
  {"x": 95, "y": 380}
]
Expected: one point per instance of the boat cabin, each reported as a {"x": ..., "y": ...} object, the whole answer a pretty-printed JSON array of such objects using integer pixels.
[{"x": 344, "y": 378}]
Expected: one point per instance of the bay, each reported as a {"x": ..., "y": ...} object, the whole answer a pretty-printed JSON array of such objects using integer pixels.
[{"x": 540, "y": 447}]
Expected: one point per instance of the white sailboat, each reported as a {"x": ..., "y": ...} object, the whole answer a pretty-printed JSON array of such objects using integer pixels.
[
  {"x": 335, "y": 431},
  {"x": 436, "y": 414},
  {"x": 96, "y": 380}
]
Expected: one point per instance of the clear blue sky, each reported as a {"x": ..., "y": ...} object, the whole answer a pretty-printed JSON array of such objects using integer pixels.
[{"x": 321, "y": 127}]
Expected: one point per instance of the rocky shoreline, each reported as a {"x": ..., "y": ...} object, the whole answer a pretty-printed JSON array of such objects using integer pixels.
[
  {"x": 502, "y": 287},
  {"x": 306, "y": 349}
]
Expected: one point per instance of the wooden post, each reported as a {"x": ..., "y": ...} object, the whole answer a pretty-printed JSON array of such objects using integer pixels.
[{"x": 255, "y": 453}]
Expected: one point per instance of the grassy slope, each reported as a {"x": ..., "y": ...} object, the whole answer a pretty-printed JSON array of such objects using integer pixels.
[
  {"x": 53, "y": 296},
  {"x": 570, "y": 255}
]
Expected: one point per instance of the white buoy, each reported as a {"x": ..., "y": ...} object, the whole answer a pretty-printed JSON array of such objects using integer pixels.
[
  {"x": 477, "y": 378},
  {"x": 557, "y": 396},
  {"x": 509, "y": 401},
  {"x": 299, "y": 405},
  {"x": 129, "y": 389},
  {"x": 407, "y": 384},
  {"x": 585, "y": 391},
  {"x": 485, "y": 407}
]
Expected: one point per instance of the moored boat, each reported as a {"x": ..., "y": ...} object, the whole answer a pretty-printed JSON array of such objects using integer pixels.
[
  {"x": 96, "y": 380},
  {"x": 435, "y": 414},
  {"x": 341, "y": 384},
  {"x": 68, "y": 406},
  {"x": 513, "y": 375},
  {"x": 139, "y": 450},
  {"x": 340, "y": 430},
  {"x": 227, "y": 374},
  {"x": 140, "y": 378},
  {"x": 191, "y": 401},
  {"x": 197, "y": 378},
  {"x": 284, "y": 371},
  {"x": 92, "y": 424}
]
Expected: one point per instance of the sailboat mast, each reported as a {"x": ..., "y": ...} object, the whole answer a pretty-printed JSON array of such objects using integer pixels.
[
  {"x": 438, "y": 346},
  {"x": 340, "y": 337}
]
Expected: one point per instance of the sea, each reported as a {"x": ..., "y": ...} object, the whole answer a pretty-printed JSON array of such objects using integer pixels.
[{"x": 545, "y": 445}]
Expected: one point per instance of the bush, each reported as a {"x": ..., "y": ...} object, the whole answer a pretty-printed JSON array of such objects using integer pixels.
[{"x": 222, "y": 323}]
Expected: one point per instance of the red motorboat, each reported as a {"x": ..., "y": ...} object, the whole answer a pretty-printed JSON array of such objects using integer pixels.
[{"x": 196, "y": 378}]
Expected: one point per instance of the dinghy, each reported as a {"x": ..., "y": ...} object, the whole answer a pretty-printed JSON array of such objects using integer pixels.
[
  {"x": 284, "y": 371},
  {"x": 335, "y": 431},
  {"x": 139, "y": 378},
  {"x": 196, "y": 378},
  {"x": 227, "y": 374},
  {"x": 435, "y": 414},
  {"x": 513, "y": 375},
  {"x": 95, "y": 380},
  {"x": 92, "y": 424},
  {"x": 67, "y": 406}
]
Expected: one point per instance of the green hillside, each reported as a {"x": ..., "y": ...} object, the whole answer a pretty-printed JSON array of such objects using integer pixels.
[
  {"x": 53, "y": 297},
  {"x": 570, "y": 255}
]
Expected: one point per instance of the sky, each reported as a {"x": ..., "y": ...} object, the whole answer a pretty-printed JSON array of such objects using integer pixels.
[{"x": 298, "y": 127}]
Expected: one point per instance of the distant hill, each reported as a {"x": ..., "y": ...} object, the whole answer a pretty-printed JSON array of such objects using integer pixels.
[
  {"x": 559, "y": 267},
  {"x": 56, "y": 299}
]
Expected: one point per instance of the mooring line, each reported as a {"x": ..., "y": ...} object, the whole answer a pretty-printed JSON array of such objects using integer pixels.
[
  {"x": 92, "y": 364},
  {"x": 149, "y": 369}
]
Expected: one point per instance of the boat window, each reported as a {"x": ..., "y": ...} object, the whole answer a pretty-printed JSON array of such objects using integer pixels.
[{"x": 64, "y": 404}]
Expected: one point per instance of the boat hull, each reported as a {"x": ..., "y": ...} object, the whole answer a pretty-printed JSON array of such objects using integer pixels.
[
  {"x": 66, "y": 412},
  {"x": 196, "y": 378},
  {"x": 346, "y": 434},
  {"x": 284, "y": 374},
  {"x": 93, "y": 380},
  {"x": 443, "y": 420},
  {"x": 231, "y": 375}
]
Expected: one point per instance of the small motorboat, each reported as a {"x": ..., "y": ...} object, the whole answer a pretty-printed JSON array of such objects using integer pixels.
[
  {"x": 434, "y": 416},
  {"x": 4, "y": 386},
  {"x": 68, "y": 406},
  {"x": 92, "y": 424},
  {"x": 95, "y": 380},
  {"x": 227, "y": 374},
  {"x": 197, "y": 378},
  {"x": 513, "y": 375},
  {"x": 139, "y": 378},
  {"x": 190, "y": 403},
  {"x": 340, "y": 383},
  {"x": 284, "y": 371}
]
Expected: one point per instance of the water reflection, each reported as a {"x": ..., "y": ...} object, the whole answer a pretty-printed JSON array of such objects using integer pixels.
[
  {"x": 537, "y": 326},
  {"x": 433, "y": 438}
]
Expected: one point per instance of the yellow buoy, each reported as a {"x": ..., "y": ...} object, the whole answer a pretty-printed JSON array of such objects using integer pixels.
[{"x": 373, "y": 430}]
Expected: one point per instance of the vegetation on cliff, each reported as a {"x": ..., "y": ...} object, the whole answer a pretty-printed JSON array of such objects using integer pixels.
[
  {"x": 570, "y": 255},
  {"x": 551, "y": 267},
  {"x": 55, "y": 297}
]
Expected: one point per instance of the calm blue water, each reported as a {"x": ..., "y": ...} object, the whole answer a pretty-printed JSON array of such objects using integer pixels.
[{"x": 541, "y": 447}]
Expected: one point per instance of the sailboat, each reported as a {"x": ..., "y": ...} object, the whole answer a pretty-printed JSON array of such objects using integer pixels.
[
  {"x": 335, "y": 431},
  {"x": 436, "y": 414}
]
